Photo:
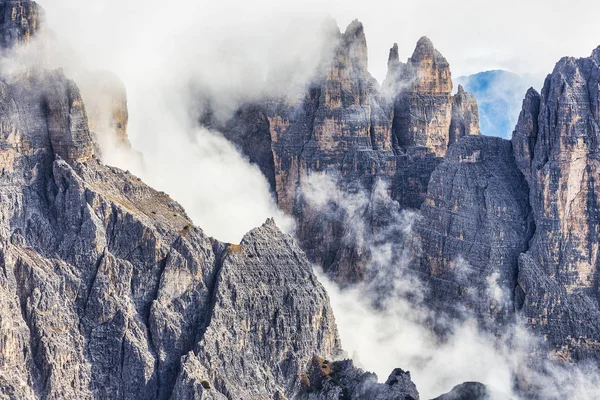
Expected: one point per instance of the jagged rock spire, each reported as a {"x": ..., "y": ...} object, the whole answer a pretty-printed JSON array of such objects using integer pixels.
[
  {"x": 422, "y": 92},
  {"x": 393, "y": 60},
  {"x": 433, "y": 71},
  {"x": 424, "y": 50},
  {"x": 355, "y": 39},
  {"x": 465, "y": 116},
  {"x": 525, "y": 134}
]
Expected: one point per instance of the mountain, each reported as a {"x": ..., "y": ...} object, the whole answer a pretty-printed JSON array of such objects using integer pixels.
[
  {"x": 556, "y": 144},
  {"x": 506, "y": 231},
  {"x": 108, "y": 290},
  {"x": 357, "y": 133},
  {"x": 499, "y": 94}
]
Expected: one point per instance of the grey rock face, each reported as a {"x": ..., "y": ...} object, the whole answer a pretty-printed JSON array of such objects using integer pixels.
[
  {"x": 349, "y": 128},
  {"x": 479, "y": 212},
  {"x": 109, "y": 285},
  {"x": 557, "y": 146},
  {"x": 465, "y": 116},
  {"x": 472, "y": 391},
  {"x": 475, "y": 223},
  {"x": 342, "y": 380},
  {"x": 268, "y": 310},
  {"x": 525, "y": 134},
  {"x": 422, "y": 93},
  {"x": 20, "y": 21}
]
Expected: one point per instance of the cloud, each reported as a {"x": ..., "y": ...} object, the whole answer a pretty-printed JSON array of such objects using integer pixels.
[
  {"x": 234, "y": 51},
  {"x": 165, "y": 51},
  {"x": 386, "y": 323}
]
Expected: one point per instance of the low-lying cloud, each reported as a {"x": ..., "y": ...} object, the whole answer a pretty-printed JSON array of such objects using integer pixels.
[
  {"x": 385, "y": 322},
  {"x": 238, "y": 51},
  {"x": 166, "y": 54}
]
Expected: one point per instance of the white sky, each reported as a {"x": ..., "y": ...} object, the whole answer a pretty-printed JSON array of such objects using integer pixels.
[
  {"x": 524, "y": 36},
  {"x": 233, "y": 48}
]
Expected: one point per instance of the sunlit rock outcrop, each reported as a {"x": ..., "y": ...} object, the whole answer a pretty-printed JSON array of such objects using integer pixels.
[{"x": 557, "y": 142}]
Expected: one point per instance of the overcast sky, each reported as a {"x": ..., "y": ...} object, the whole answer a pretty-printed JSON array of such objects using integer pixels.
[
  {"x": 475, "y": 35},
  {"x": 235, "y": 50}
]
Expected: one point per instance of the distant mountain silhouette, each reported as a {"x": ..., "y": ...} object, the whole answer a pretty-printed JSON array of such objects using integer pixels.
[{"x": 499, "y": 95}]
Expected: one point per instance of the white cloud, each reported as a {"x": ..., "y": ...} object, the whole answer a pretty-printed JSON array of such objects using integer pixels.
[
  {"x": 234, "y": 48},
  {"x": 386, "y": 323}
]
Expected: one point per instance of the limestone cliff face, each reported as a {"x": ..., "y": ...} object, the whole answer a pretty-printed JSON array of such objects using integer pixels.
[
  {"x": 107, "y": 284},
  {"x": 425, "y": 112},
  {"x": 422, "y": 90},
  {"x": 253, "y": 347},
  {"x": 525, "y": 133},
  {"x": 342, "y": 127},
  {"x": 465, "y": 116},
  {"x": 108, "y": 291},
  {"x": 349, "y": 128},
  {"x": 474, "y": 225},
  {"x": 557, "y": 141},
  {"x": 342, "y": 124},
  {"x": 523, "y": 218},
  {"x": 19, "y": 21}
]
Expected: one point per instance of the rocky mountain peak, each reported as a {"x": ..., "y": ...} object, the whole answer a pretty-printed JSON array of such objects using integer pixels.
[
  {"x": 556, "y": 144},
  {"x": 526, "y": 131},
  {"x": 465, "y": 115},
  {"x": 66, "y": 118},
  {"x": 424, "y": 50},
  {"x": 423, "y": 103},
  {"x": 356, "y": 29},
  {"x": 356, "y": 41},
  {"x": 393, "y": 58},
  {"x": 432, "y": 69}
]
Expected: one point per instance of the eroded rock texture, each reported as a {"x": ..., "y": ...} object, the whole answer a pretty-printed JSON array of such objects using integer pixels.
[
  {"x": 422, "y": 92},
  {"x": 558, "y": 142},
  {"x": 19, "y": 21},
  {"x": 475, "y": 223},
  {"x": 107, "y": 285},
  {"x": 359, "y": 134},
  {"x": 342, "y": 380},
  {"x": 108, "y": 291},
  {"x": 524, "y": 219},
  {"x": 465, "y": 116}
]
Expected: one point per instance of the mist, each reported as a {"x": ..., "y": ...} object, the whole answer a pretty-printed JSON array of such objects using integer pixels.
[
  {"x": 164, "y": 63},
  {"x": 239, "y": 51},
  {"x": 385, "y": 322}
]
